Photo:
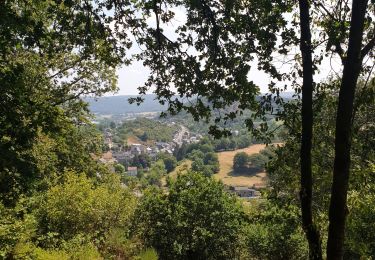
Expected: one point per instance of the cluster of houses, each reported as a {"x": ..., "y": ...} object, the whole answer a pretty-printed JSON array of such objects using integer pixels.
[
  {"x": 118, "y": 153},
  {"x": 186, "y": 137},
  {"x": 126, "y": 155}
]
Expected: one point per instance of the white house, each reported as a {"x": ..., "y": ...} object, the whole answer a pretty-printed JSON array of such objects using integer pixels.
[{"x": 137, "y": 149}]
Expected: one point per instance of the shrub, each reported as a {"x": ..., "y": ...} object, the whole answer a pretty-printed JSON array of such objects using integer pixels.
[{"x": 197, "y": 219}]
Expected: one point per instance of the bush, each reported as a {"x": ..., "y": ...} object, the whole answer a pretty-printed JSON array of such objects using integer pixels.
[
  {"x": 275, "y": 233},
  {"x": 80, "y": 206},
  {"x": 170, "y": 161},
  {"x": 119, "y": 168},
  {"x": 240, "y": 161},
  {"x": 257, "y": 161},
  {"x": 197, "y": 219}
]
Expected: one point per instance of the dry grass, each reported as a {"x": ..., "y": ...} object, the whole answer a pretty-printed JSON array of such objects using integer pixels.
[
  {"x": 182, "y": 168},
  {"x": 228, "y": 177},
  {"x": 226, "y": 174},
  {"x": 133, "y": 140}
]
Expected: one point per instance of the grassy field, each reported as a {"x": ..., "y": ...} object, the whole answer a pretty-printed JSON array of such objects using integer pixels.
[
  {"x": 181, "y": 168},
  {"x": 228, "y": 177},
  {"x": 133, "y": 140},
  {"x": 226, "y": 174}
]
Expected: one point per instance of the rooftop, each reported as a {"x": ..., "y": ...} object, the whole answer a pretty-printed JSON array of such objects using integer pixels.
[{"x": 238, "y": 188}]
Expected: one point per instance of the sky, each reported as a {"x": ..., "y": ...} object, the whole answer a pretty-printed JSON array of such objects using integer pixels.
[
  {"x": 129, "y": 78},
  {"x": 134, "y": 75}
]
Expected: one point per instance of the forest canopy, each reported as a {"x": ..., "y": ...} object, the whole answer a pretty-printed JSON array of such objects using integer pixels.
[{"x": 58, "y": 201}]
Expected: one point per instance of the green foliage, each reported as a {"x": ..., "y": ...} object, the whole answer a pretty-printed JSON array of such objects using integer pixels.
[
  {"x": 225, "y": 144},
  {"x": 72, "y": 250},
  {"x": 69, "y": 149},
  {"x": 146, "y": 130},
  {"x": 170, "y": 161},
  {"x": 16, "y": 226},
  {"x": 149, "y": 254},
  {"x": 275, "y": 233},
  {"x": 197, "y": 219},
  {"x": 243, "y": 141},
  {"x": 154, "y": 175},
  {"x": 240, "y": 161},
  {"x": 79, "y": 206},
  {"x": 225, "y": 40},
  {"x": 206, "y": 163},
  {"x": 202, "y": 155},
  {"x": 54, "y": 52},
  {"x": 258, "y": 161},
  {"x": 141, "y": 161},
  {"x": 283, "y": 169},
  {"x": 47, "y": 63},
  {"x": 360, "y": 229},
  {"x": 119, "y": 168}
]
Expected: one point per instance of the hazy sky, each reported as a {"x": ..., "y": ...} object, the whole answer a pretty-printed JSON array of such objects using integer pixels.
[{"x": 133, "y": 76}]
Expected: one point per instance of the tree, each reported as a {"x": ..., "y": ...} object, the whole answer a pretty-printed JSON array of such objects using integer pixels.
[
  {"x": 226, "y": 37},
  {"x": 112, "y": 125},
  {"x": 197, "y": 219},
  {"x": 243, "y": 141},
  {"x": 211, "y": 158},
  {"x": 283, "y": 171},
  {"x": 197, "y": 165},
  {"x": 257, "y": 161},
  {"x": 274, "y": 232},
  {"x": 170, "y": 161},
  {"x": 142, "y": 161},
  {"x": 360, "y": 233},
  {"x": 312, "y": 233},
  {"x": 77, "y": 206},
  {"x": 119, "y": 168},
  {"x": 144, "y": 137},
  {"x": 341, "y": 172},
  {"x": 240, "y": 161},
  {"x": 51, "y": 55}
]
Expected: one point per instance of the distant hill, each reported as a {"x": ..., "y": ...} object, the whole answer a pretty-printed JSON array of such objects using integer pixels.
[{"x": 120, "y": 105}]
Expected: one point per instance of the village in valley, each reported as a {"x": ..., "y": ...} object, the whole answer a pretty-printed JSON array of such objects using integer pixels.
[
  {"x": 137, "y": 153},
  {"x": 120, "y": 153}
]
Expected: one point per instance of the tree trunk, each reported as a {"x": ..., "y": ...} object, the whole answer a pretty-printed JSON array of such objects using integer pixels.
[
  {"x": 352, "y": 67},
  {"x": 312, "y": 234}
]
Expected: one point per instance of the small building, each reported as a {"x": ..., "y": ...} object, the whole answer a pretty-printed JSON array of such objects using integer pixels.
[
  {"x": 132, "y": 171},
  {"x": 137, "y": 149},
  {"x": 244, "y": 192},
  {"x": 125, "y": 156}
]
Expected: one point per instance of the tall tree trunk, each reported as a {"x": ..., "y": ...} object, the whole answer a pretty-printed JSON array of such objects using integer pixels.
[
  {"x": 312, "y": 234},
  {"x": 352, "y": 67}
]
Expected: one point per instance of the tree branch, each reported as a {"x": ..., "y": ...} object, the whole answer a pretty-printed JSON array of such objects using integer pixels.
[{"x": 368, "y": 47}]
